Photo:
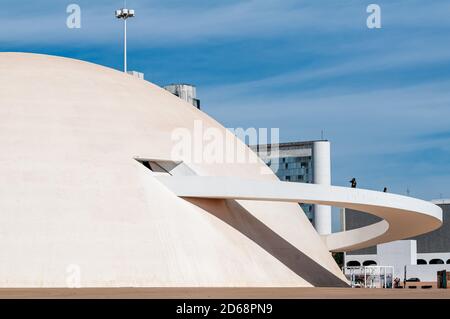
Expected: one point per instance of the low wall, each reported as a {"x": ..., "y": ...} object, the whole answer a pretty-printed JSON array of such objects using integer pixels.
[{"x": 426, "y": 272}]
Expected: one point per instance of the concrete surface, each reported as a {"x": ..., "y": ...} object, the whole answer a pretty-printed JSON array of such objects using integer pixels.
[{"x": 229, "y": 293}]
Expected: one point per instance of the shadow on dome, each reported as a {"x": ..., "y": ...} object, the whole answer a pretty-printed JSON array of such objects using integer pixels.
[{"x": 232, "y": 213}]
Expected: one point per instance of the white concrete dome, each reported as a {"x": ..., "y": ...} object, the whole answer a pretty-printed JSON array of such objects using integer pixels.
[{"x": 72, "y": 193}]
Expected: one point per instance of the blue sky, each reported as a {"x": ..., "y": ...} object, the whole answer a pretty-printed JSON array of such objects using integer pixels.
[{"x": 381, "y": 96}]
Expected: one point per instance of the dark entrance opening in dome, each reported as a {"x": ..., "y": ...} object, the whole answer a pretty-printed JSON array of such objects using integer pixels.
[{"x": 166, "y": 167}]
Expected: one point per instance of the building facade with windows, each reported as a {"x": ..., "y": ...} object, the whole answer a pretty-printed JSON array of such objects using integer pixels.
[{"x": 302, "y": 162}]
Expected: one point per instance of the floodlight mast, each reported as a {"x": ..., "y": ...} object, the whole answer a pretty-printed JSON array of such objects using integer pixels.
[{"x": 124, "y": 14}]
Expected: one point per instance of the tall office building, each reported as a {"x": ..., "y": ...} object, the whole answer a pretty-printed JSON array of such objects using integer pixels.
[{"x": 302, "y": 162}]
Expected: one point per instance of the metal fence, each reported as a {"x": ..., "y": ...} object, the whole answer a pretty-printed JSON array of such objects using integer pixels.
[{"x": 370, "y": 276}]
